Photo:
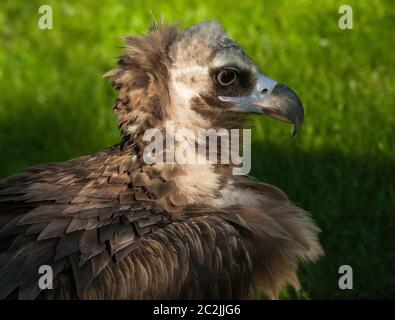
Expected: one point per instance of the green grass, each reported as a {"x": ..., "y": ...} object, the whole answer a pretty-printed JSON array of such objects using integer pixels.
[{"x": 54, "y": 105}]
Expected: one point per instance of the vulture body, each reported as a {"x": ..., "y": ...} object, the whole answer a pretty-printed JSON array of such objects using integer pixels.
[{"x": 112, "y": 226}]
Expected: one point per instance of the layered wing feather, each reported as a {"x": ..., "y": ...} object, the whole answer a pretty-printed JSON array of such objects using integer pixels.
[
  {"x": 113, "y": 231},
  {"x": 105, "y": 236}
]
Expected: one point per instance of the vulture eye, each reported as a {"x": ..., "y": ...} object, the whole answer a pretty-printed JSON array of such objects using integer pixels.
[{"x": 226, "y": 77}]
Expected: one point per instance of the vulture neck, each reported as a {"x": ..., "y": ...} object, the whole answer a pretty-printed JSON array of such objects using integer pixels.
[{"x": 172, "y": 183}]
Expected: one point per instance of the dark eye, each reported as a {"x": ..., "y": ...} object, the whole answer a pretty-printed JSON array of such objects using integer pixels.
[{"x": 226, "y": 77}]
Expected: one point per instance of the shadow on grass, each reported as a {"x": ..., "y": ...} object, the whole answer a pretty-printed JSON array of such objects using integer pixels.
[
  {"x": 33, "y": 135},
  {"x": 351, "y": 198},
  {"x": 353, "y": 201}
]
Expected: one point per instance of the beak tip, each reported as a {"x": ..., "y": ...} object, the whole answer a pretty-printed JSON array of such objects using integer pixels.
[{"x": 297, "y": 127}]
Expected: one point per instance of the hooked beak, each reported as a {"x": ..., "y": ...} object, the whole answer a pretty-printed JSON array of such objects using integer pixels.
[{"x": 273, "y": 99}]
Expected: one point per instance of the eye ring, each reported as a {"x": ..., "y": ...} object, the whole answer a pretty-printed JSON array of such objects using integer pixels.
[{"x": 226, "y": 77}]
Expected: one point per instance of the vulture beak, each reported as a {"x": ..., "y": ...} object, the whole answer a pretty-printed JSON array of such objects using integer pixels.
[{"x": 273, "y": 99}]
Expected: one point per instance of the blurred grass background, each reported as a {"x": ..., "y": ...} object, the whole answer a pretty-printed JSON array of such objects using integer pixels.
[{"x": 55, "y": 105}]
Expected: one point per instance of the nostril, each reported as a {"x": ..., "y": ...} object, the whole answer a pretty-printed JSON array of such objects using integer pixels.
[{"x": 263, "y": 91}]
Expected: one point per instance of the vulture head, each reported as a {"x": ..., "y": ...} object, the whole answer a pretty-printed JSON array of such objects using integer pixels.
[{"x": 196, "y": 78}]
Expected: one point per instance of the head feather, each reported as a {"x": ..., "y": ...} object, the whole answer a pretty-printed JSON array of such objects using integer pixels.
[{"x": 142, "y": 74}]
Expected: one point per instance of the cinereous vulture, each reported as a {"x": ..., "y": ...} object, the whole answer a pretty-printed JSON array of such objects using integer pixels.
[{"x": 111, "y": 226}]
